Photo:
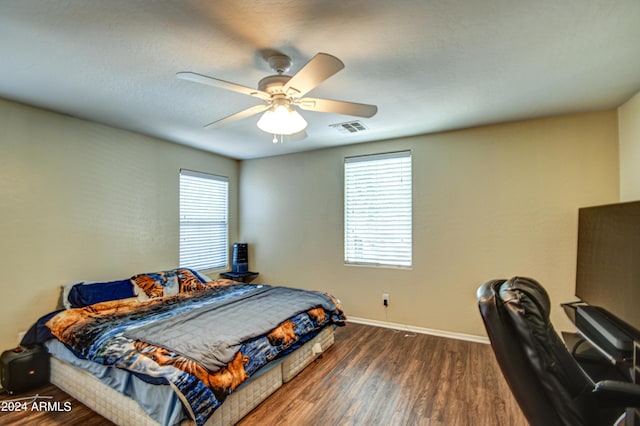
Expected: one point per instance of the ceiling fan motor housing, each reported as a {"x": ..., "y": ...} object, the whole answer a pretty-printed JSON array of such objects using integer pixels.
[{"x": 273, "y": 84}]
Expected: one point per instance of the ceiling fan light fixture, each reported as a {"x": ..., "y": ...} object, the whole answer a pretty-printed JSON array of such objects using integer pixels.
[{"x": 281, "y": 120}]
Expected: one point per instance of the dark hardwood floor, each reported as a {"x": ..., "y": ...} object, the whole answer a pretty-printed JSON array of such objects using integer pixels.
[
  {"x": 378, "y": 376},
  {"x": 371, "y": 376}
]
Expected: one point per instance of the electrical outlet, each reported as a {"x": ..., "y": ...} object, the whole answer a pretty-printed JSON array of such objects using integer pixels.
[{"x": 385, "y": 299}]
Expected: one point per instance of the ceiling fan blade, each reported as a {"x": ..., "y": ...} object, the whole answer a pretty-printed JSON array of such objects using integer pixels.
[
  {"x": 338, "y": 107},
  {"x": 215, "y": 82},
  {"x": 318, "y": 69},
  {"x": 256, "y": 109}
]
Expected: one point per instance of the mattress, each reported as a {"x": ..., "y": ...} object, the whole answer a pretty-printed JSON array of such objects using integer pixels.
[{"x": 123, "y": 410}]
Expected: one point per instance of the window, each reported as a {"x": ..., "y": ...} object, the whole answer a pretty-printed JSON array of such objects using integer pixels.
[
  {"x": 203, "y": 220},
  {"x": 377, "y": 213}
]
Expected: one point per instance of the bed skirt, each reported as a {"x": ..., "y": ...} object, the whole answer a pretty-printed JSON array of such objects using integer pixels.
[{"x": 124, "y": 411}]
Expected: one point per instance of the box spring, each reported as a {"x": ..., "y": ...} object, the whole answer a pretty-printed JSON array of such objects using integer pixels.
[{"x": 124, "y": 411}]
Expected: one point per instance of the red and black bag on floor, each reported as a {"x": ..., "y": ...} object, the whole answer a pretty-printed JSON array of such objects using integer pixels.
[{"x": 24, "y": 368}]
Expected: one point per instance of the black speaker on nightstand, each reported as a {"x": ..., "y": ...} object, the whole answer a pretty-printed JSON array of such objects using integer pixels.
[
  {"x": 239, "y": 265},
  {"x": 24, "y": 368},
  {"x": 240, "y": 260}
]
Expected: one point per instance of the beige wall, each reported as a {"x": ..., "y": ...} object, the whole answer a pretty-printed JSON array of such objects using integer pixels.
[
  {"x": 85, "y": 201},
  {"x": 629, "y": 129},
  {"x": 81, "y": 201},
  {"x": 489, "y": 202}
]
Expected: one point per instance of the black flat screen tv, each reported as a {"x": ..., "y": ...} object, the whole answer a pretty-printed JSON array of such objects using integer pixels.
[{"x": 608, "y": 259}]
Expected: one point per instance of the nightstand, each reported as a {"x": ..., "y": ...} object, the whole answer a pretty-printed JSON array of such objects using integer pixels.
[{"x": 243, "y": 277}]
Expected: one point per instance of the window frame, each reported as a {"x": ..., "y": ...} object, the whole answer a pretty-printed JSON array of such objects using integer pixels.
[
  {"x": 218, "y": 259},
  {"x": 376, "y": 256}
]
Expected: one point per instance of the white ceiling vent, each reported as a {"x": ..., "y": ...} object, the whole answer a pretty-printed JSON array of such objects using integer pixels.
[{"x": 349, "y": 127}]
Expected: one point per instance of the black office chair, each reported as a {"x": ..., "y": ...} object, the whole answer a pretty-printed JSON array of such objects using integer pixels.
[{"x": 545, "y": 379}]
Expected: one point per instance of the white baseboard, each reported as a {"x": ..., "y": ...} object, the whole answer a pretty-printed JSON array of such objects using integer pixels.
[{"x": 421, "y": 330}]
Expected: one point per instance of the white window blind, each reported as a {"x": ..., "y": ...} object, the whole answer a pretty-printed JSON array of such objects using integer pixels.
[
  {"x": 203, "y": 220},
  {"x": 377, "y": 212}
]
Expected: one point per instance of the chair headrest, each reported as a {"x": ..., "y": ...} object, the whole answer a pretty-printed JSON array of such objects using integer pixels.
[
  {"x": 518, "y": 293},
  {"x": 525, "y": 295}
]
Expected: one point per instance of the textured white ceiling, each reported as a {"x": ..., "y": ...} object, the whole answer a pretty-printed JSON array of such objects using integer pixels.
[{"x": 429, "y": 65}]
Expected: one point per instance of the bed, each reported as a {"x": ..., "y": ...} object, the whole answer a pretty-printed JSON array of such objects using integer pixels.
[{"x": 173, "y": 347}]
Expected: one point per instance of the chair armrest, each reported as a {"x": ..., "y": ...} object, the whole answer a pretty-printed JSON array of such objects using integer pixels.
[{"x": 613, "y": 393}]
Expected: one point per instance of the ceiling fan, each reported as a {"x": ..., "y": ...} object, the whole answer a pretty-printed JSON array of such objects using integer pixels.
[{"x": 281, "y": 92}]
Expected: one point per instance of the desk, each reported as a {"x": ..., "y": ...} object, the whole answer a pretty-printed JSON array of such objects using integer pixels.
[
  {"x": 620, "y": 358},
  {"x": 626, "y": 363},
  {"x": 633, "y": 414}
]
